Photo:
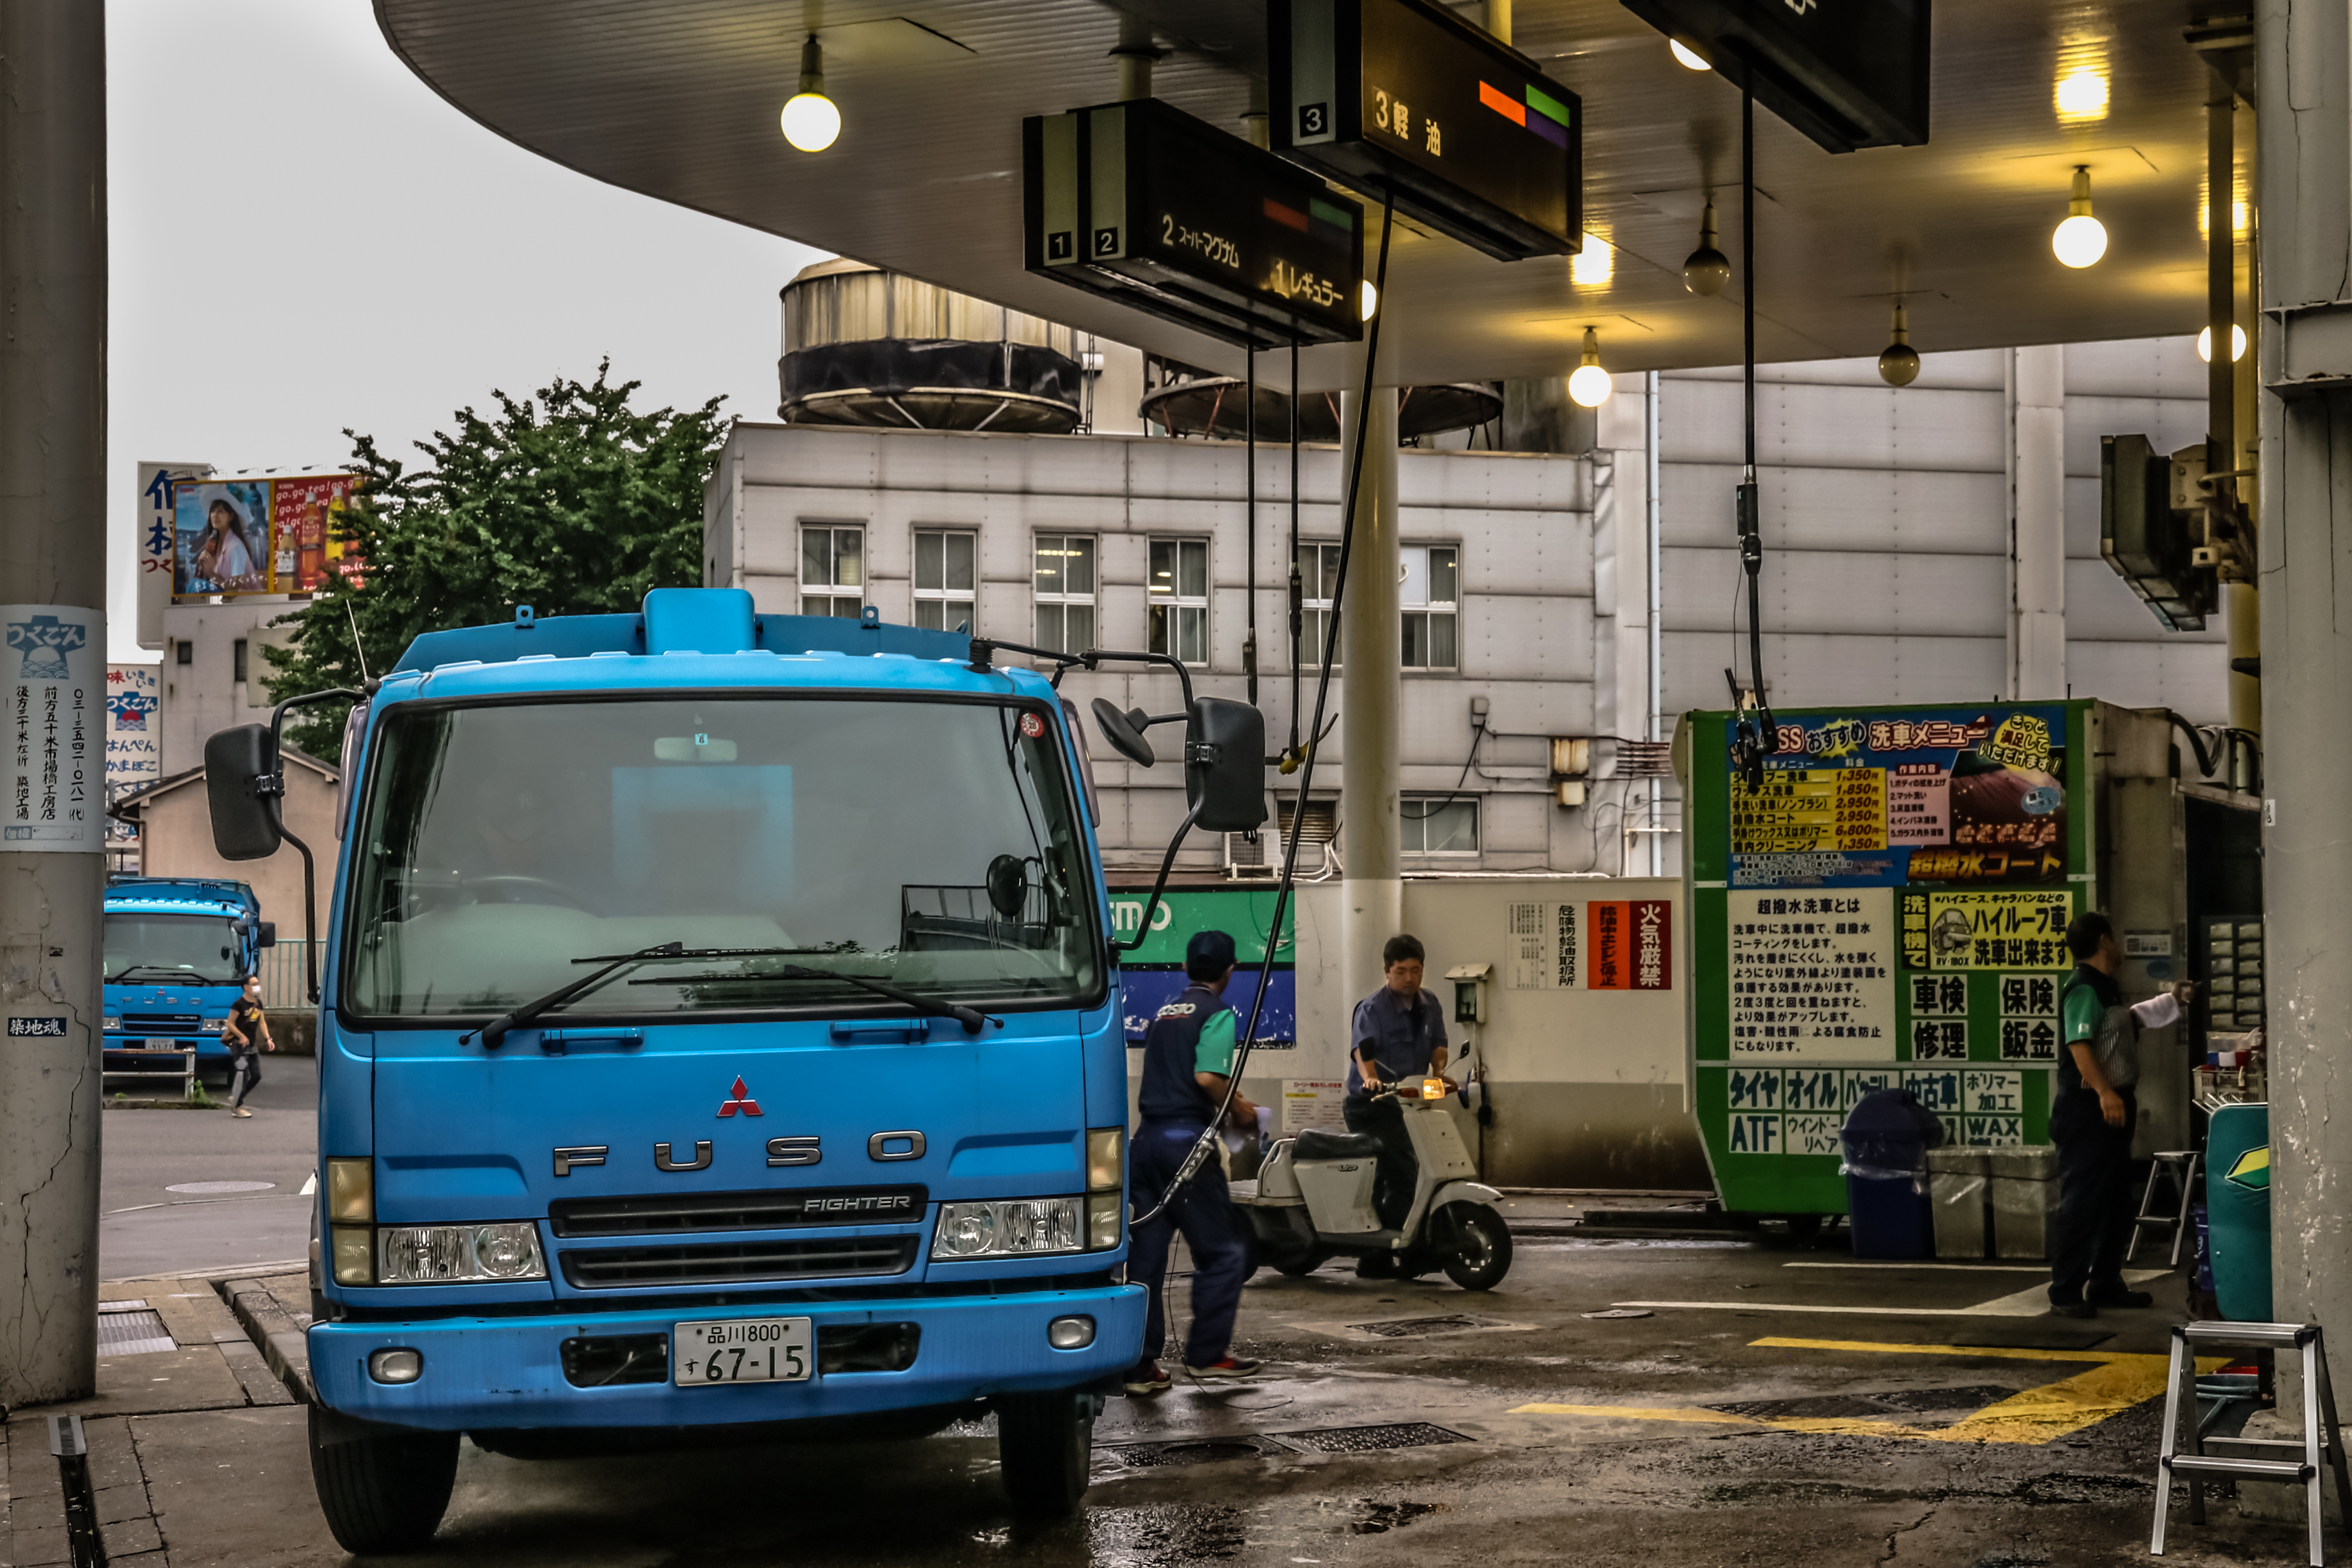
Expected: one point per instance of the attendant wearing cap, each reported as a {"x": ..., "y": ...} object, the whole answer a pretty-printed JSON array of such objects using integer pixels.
[{"x": 1188, "y": 1063}]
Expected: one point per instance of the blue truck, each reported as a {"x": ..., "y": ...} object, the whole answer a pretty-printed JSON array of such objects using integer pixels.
[
  {"x": 178, "y": 952},
  {"x": 720, "y": 1039}
]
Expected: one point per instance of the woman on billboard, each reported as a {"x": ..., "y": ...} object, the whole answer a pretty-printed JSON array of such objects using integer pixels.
[{"x": 225, "y": 559}]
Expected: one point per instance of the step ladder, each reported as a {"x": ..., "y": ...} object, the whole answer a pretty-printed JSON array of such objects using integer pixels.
[
  {"x": 2322, "y": 1443},
  {"x": 2181, "y": 1166}
]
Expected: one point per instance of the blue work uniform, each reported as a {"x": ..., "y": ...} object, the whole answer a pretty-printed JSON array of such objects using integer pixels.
[{"x": 1192, "y": 1034}]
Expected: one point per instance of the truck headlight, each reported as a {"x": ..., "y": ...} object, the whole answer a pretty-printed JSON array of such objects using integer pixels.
[
  {"x": 436, "y": 1254},
  {"x": 1007, "y": 1228},
  {"x": 113, "y": 1026},
  {"x": 1105, "y": 1159}
]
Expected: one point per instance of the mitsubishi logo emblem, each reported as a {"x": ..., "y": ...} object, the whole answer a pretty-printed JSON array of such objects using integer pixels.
[{"x": 740, "y": 1099}]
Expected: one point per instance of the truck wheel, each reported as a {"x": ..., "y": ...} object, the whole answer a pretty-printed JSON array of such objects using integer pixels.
[
  {"x": 1045, "y": 1443},
  {"x": 1481, "y": 1252},
  {"x": 383, "y": 1493}
]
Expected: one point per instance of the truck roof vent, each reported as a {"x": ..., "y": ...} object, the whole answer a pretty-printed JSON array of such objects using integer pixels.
[{"x": 700, "y": 621}]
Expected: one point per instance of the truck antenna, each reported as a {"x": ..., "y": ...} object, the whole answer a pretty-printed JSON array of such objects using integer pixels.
[{"x": 357, "y": 647}]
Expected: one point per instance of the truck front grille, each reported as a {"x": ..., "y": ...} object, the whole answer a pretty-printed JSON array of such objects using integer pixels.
[
  {"x": 777, "y": 1209},
  {"x": 737, "y": 1262},
  {"x": 161, "y": 1023}
]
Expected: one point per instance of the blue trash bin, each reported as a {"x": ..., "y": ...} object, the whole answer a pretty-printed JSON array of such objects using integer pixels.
[{"x": 1886, "y": 1136}]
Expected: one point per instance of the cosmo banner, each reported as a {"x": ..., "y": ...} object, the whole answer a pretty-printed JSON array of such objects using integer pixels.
[
  {"x": 53, "y": 705},
  {"x": 241, "y": 538}
]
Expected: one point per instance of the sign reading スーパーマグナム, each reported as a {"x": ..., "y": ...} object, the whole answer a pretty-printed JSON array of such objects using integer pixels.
[{"x": 1886, "y": 909}]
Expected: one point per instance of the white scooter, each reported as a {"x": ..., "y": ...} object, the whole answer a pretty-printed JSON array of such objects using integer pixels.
[{"x": 1312, "y": 1200}]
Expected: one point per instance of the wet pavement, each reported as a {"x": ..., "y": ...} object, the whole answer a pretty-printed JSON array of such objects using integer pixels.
[{"x": 1808, "y": 1416}]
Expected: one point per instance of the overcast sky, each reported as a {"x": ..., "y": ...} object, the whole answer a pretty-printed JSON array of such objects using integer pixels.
[{"x": 305, "y": 237}]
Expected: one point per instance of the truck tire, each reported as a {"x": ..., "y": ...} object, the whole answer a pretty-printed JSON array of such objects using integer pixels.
[
  {"x": 1045, "y": 1443},
  {"x": 1479, "y": 1253},
  {"x": 383, "y": 1493}
]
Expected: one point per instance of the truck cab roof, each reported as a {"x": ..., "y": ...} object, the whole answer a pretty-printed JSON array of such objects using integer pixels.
[
  {"x": 701, "y": 637},
  {"x": 181, "y": 895}
]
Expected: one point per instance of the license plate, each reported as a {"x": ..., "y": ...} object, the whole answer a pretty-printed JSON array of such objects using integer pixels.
[
  {"x": 742, "y": 1349},
  {"x": 156, "y": 1042}
]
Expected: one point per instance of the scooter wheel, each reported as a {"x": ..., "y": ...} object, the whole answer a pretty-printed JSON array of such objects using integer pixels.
[
  {"x": 1480, "y": 1254},
  {"x": 1297, "y": 1263}
]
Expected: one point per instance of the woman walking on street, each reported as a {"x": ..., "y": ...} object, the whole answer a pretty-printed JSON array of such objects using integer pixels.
[{"x": 245, "y": 1021}]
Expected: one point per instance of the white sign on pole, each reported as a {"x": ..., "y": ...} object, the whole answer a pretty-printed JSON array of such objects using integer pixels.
[
  {"x": 53, "y": 705},
  {"x": 152, "y": 547}
]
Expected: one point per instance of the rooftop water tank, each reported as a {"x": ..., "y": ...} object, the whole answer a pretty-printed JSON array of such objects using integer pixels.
[
  {"x": 1184, "y": 399},
  {"x": 866, "y": 347}
]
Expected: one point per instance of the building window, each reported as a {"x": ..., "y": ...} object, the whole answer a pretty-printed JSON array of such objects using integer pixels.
[
  {"x": 1318, "y": 580},
  {"x": 1432, "y": 587},
  {"x": 1439, "y": 824},
  {"x": 184, "y": 652},
  {"x": 236, "y": 665},
  {"x": 833, "y": 571},
  {"x": 943, "y": 579},
  {"x": 1064, "y": 571},
  {"x": 1178, "y": 594}
]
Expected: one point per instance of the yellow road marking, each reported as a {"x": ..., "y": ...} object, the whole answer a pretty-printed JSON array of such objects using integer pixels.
[{"x": 2116, "y": 1381}]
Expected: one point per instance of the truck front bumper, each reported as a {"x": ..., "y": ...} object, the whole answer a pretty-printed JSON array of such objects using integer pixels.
[{"x": 482, "y": 1372}]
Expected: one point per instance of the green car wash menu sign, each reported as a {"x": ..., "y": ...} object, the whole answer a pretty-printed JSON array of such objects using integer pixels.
[{"x": 1887, "y": 910}]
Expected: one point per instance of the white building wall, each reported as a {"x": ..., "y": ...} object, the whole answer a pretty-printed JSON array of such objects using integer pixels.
[{"x": 1527, "y": 617}]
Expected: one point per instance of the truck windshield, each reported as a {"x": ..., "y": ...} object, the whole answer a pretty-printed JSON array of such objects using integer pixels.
[
  {"x": 196, "y": 949},
  {"x": 930, "y": 845}
]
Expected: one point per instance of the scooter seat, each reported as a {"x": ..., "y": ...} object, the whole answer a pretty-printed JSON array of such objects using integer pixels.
[{"x": 1315, "y": 1143}]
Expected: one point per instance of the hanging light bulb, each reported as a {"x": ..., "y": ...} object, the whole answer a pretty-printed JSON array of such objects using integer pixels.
[
  {"x": 811, "y": 121},
  {"x": 1898, "y": 364},
  {"x": 2082, "y": 239},
  {"x": 1708, "y": 269},
  {"x": 1687, "y": 58},
  {"x": 2237, "y": 344},
  {"x": 1590, "y": 385}
]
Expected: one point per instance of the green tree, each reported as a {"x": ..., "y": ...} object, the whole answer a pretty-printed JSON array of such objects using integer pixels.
[{"x": 572, "y": 502}]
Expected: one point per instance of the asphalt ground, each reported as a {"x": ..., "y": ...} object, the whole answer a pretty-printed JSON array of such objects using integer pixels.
[
  {"x": 1818, "y": 1417},
  {"x": 146, "y": 1229}
]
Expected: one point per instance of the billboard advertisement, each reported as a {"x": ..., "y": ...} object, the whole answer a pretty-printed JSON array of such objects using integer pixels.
[
  {"x": 1886, "y": 909},
  {"x": 134, "y": 744},
  {"x": 152, "y": 550},
  {"x": 242, "y": 537}
]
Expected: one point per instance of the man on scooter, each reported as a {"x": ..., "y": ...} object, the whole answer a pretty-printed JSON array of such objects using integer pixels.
[
  {"x": 1398, "y": 1035},
  {"x": 1188, "y": 1062}
]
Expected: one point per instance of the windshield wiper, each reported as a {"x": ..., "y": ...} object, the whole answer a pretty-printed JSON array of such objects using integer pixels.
[
  {"x": 496, "y": 1030},
  {"x": 971, "y": 1019},
  {"x": 129, "y": 970}
]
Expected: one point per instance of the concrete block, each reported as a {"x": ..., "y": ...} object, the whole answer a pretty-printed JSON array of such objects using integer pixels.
[
  {"x": 2024, "y": 1194},
  {"x": 1955, "y": 1188}
]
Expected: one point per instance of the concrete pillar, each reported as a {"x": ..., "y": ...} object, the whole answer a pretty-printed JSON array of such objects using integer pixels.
[
  {"x": 1371, "y": 638},
  {"x": 2303, "y": 129},
  {"x": 53, "y": 577},
  {"x": 2037, "y": 527},
  {"x": 1136, "y": 54}
]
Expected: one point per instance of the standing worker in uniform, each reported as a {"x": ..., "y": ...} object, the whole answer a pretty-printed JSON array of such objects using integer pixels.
[
  {"x": 1397, "y": 1035},
  {"x": 2092, "y": 1119},
  {"x": 1188, "y": 1063}
]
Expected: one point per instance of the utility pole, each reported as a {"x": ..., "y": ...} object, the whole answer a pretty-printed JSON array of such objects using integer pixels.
[{"x": 52, "y": 688}]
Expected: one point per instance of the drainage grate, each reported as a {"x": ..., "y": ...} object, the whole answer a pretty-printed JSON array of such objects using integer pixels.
[
  {"x": 1191, "y": 1451},
  {"x": 1276, "y": 1444},
  {"x": 1419, "y": 1328},
  {"x": 1870, "y": 1407},
  {"x": 1367, "y": 1439},
  {"x": 132, "y": 1328}
]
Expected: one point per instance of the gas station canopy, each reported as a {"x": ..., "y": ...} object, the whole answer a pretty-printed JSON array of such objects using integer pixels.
[{"x": 678, "y": 100}]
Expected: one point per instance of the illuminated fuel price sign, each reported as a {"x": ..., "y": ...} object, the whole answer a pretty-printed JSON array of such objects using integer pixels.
[
  {"x": 1142, "y": 204},
  {"x": 1850, "y": 74},
  {"x": 1403, "y": 97}
]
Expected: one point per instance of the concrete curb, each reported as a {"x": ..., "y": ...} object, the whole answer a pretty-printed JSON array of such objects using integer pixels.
[{"x": 272, "y": 1332}]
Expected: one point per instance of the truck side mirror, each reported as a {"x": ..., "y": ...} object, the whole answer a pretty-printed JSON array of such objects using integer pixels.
[
  {"x": 1125, "y": 731},
  {"x": 1224, "y": 765},
  {"x": 265, "y": 933},
  {"x": 241, "y": 785}
]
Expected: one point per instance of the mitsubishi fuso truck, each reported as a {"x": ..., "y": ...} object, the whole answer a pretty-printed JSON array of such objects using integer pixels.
[
  {"x": 720, "y": 1042},
  {"x": 178, "y": 952}
]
